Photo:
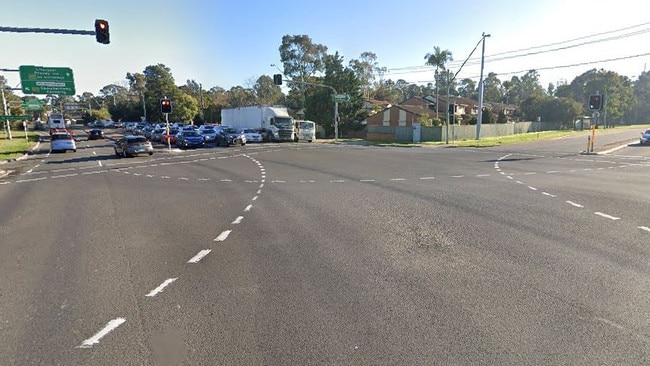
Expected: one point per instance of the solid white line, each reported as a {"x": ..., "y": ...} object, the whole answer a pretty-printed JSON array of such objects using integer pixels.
[
  {"x": 644, "y": 228},
  {"x": 107, "y": 329},
  {"x": 574, "y": 204},
  {"x": 223, "y": 235},
  {"x": 548, "y": 194},
  {"x": 366, "y": 180},
  {"x": 237, "y": 220},
  {"x": 30, "y": 180},
  {"x": 162, "y": 286},
  {"x": 199, "y": 256},
  {"x": 607, "y": 216},
  {"x": 248, "y": 208},
  {"x": 400, "y": 179},
  {"x": 423, "y": 178},
  {"x": 63, "y": 176}
]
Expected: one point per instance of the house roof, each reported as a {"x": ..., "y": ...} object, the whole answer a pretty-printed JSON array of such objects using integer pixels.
[{"x": 416, "y": 109}]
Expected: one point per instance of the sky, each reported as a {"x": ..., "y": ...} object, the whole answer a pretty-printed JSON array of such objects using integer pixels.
[{"x": 229, "y": 43}]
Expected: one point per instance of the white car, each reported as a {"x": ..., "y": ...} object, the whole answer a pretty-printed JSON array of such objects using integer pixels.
[
  {"x": 252, "y": 135},
  {"x": 645, "y": 137},
  {"x": 62, "y": 141}
]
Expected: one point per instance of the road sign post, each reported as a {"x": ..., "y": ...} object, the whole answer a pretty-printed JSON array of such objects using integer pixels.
[{"x": 46, "y": 80}]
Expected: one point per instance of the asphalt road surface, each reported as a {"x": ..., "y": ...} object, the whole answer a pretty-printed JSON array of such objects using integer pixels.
[{"x": 311, "y": 254}]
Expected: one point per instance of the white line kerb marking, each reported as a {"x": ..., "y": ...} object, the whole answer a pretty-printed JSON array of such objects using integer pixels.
[
  {"x": 223, "y": 235},
  {"x": 199, "y": 256},
  {"x": 160, "y": 288},
  {"x": 107, "y": 329}
]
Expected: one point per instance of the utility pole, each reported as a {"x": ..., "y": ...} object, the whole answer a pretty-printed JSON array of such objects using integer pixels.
[{"x": 479, "y": 119}]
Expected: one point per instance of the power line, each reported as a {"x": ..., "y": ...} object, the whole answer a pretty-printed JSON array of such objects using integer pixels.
[{"x": 489, "y": 58}]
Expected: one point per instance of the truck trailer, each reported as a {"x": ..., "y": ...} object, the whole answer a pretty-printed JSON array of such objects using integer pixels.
[{"x": 273, "y": 122}]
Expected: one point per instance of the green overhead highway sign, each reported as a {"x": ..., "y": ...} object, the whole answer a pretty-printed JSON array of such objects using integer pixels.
[
  {"x": 16, "y": 117},
  {"x": 340, "y": 98},
  {"x": 47, "y": 80}
]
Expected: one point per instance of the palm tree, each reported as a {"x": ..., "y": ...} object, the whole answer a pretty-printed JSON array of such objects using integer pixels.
[{"x": 438, "y": 59}]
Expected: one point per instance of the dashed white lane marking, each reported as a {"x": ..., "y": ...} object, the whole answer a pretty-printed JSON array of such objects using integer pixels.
[
  {"x": 30, "y": 180},
  {"x": 520, "y": 182},
  {"x": 237, "y": 220},
  {"x": 644, "y": 228},
  {"x": 551, "y": 172},
  {"x": 278, "y": 181},
  {"x": 457, "y": 176},
  {"x": 425, "y": 178},
  {"x": 199, "y": 256},
  {"x": 337, "y": 181},
  {"x": 366, "y": 180},
  {"x": 63, "y": 170},
  {"x": 29, "y": 171},
  {"x": 397, "y": 179},
  {"x": 100, "y": 163},
  {"x": 226, "y": 180},
  {"x": 548, "y": 194},
  {"x": 607, "y": 216},
  {"x": 262, "y": 185},
  {"x": 575, "y": 204},
  {"x": 533, "y": 188},
  {"x": 161, "y": 287},
  {"x": 530, "y": 173},
  {"x": 509, "y": 177},
  {"x": 258, "y": 191},
  {"x": 3, "y": 183},
  {"x": 94, "y": 152},
  {"x": 254, "y": 198},
  {"x": 95, "y": 172},
  {"x": 111, "y": 326},
  {"x": 223, "y": 236},
  {"x": 482, "y": 175},
  {"x": 183, "y": 178},
  {"x": 248, "y": 208},
  {"x": 63, "y": 176}
]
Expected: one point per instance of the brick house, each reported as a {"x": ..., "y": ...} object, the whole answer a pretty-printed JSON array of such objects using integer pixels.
[{"x": 400, "y": 115}]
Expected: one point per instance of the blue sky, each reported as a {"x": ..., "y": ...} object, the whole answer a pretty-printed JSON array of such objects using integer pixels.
[{"x": 228, "y": 43}]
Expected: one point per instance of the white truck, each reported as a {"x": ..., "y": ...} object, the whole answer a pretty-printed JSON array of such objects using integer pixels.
[
  {"x": 273, "y": 122},
  {"x": 305, "y": 130}
]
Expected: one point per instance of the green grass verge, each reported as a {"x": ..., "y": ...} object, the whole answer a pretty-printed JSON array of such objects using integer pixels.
[{"x": 16, "y": 147}]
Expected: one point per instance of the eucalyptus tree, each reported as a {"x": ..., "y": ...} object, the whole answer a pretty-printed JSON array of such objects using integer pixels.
[
  {"x": 438, "y": 58},
  {"x": 301, "y": 59}
]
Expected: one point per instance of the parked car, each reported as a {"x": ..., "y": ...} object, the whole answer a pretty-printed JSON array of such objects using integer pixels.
[
  {"x": 169, "y": 138},
  {"x": 95, "y": 134},
  {"x": 208, "y": 132},
  {"x": 230, "y": 136},
  {"x": 189, "y": 138},
  {"x": 252, "y": 135},
  {"x": 645, "y": 137},
  {"x": 62, "y": 141},
  {"x": 118, "y": 124},
  {"x": 156, "y": 134},
  {"x": 132, "y": 145}
]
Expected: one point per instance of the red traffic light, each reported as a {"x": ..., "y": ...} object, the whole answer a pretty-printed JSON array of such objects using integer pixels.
[
  {"x": 101, "y": 31},
  {"x": 165, "y": 105},
  {"x": 595, "y": 102}
]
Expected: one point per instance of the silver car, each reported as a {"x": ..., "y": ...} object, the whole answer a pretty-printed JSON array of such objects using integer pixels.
[{"x": 62, "y": 141}]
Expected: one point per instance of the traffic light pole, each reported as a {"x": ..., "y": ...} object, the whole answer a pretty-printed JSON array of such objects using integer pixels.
[{"x": 169, "y": 140}]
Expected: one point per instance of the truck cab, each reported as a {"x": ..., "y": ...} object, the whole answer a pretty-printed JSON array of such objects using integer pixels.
[{"x": 305, "y": 130}]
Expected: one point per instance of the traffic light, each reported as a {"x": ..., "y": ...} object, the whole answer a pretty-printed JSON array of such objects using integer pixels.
[
  {"x": 595, "y": 102},
  {"x": 277, "y": 79},
  {"x": 101, "y": 31},
  {"x": 165, "y": 105}
]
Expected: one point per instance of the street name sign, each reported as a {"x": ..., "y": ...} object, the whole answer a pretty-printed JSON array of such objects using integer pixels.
[
  {"x": 31, "y": 107},
  {"x": 16, "y": 117},
  {"x": 340, "y": 98},
  {"x": 47, "y": 80}
]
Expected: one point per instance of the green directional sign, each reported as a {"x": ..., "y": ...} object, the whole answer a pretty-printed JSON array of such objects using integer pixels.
[
  {"x": 32, "y": 101},
  {"x": 16, "y": 117},
  {"x": 31, "y": 107},
  {"x": 47, "y": 80},
  {"x": 341, "y": 98}
]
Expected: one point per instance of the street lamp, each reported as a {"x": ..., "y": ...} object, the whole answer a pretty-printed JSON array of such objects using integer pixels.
[{"x": 479, "y": 119}]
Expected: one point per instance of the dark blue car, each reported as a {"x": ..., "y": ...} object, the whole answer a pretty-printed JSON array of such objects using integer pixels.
[{"x": 189, "y": 139}]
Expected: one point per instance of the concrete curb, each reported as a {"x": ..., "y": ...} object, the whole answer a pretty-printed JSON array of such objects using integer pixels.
[{"x": 616, "y": 148}]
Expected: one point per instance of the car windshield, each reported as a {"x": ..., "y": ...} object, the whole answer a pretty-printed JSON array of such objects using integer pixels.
[
  {"x": 136, "y": 140},
  {"x": 61, "y": 136},
  {"x": 191, "y": 134},
  {"x": 230, "y": 130}
]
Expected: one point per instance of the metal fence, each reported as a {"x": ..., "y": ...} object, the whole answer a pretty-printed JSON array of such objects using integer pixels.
[{"x": 456, "y": 132}]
